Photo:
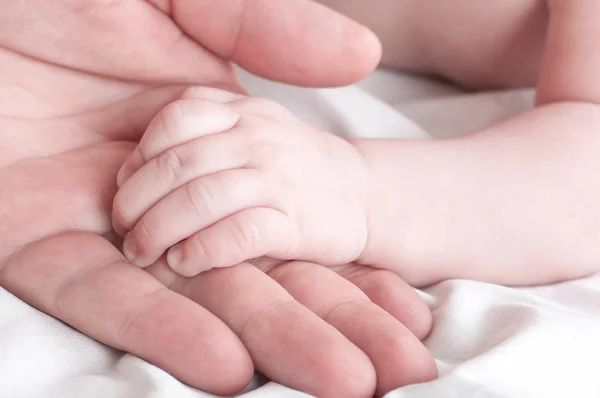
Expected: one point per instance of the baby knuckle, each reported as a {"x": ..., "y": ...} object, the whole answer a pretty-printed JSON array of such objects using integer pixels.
[
  {"x": 145, "y": 237},
  {"x": 246, "y": 235},
  {"x": 170, "y": 165},
  {"x": 201, "y": 248},
  {"x": 212, "y": 248},
  {"x": 257, "y": 147},
  {"x": 172, "y": 119},
  {"x": 268, "y": 104},
  {"x": 262, "y": 102},
  {"x": 264, "y": 107},
  {"x": 264, "y": 146},
  {"x": 201, "y": 197}
]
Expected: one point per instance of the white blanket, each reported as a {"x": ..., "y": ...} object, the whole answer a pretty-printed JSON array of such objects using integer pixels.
[{"x": 489, "y": 341}]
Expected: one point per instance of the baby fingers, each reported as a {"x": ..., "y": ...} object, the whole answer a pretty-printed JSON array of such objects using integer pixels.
[
  {"x": 191, "y": 208},
  {"x": 179, "y": 122},
  {"x": 173, "y": 169},
  {"x": 248, "y": 234}
]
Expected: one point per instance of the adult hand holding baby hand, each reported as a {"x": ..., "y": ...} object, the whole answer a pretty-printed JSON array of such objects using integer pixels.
[{"x": 81, "y": 81}]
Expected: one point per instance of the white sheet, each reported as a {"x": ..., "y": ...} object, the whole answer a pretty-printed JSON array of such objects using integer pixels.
[{"x": 489, "y": 341}]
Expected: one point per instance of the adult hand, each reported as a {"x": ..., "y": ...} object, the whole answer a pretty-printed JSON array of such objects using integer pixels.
[{"x": 80, "y": 81}]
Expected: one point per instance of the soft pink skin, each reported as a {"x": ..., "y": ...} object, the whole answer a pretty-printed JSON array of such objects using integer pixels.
[
  {"x": 515, "y": 204},
  {"x": 273, "y": 187},
  {"x": 80, "y": 82}
]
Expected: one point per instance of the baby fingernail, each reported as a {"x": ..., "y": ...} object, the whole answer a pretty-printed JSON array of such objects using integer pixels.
[{"x": 175, "y": 256}]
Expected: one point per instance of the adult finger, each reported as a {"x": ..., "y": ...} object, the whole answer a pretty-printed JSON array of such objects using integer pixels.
[
  {"x": 81, "y": 279},
  {"x": 287, "y": 342},
  {"x": 393, "y": 294},
  {"x": 398, "y": 356},
  {"x": 293, "y": 41}
]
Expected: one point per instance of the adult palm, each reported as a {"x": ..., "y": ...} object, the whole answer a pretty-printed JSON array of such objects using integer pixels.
[{"x": 80, "y": 81}]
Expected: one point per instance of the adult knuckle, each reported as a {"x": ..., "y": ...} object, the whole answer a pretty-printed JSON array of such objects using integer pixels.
[
  {"x": 358, "y": 301},
  {"x": 380, "y": 280},
  {"x": 132, "y": 320},
  {"x": 383, "y": 284},
  {"x": 67, "y": 290}
]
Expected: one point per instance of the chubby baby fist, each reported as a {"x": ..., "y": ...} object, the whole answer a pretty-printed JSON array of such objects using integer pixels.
[{"x": 220, "y": 178}]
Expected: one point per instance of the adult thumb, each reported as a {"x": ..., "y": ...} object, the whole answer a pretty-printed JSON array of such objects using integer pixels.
[{"x": 292, "y": 41}]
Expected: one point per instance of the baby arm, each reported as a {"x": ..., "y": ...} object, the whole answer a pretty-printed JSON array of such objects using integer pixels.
[{"x": 514, "y": 204}]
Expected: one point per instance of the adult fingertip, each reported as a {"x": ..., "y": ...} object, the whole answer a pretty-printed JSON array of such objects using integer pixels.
[
  {"x": 360, "y": 382},
  {"x": 362, "y": 55},
  {"x": 394, "y": 295},
  {"x": 189, "y": 342},
  {"x": 305, "y": 43},
  {"x": 398, "y": 357},
  {"x": 409, "y": 363},
  {"x": 403, "y": 303},
  {"x": 349, "y": 373},
  {"x": 420, "y": 321},
  {"x": 356, "y": 55},
  {"x": 296, "y": 348},
  {"x": 230, "y": 371},
  {"x": 235, "y": 371}
]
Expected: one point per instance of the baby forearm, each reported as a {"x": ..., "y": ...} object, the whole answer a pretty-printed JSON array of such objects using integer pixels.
[{"x": 515, "y": 204}]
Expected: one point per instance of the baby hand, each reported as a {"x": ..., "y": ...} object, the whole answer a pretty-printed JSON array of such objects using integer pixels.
[{"x": 227, "y": 178}]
